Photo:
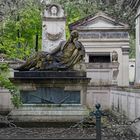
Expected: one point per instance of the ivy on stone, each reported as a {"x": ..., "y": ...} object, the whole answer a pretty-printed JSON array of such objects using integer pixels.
[{"x": 5, "y": 83}]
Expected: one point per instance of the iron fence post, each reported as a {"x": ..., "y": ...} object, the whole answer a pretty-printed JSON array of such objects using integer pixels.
[
  {"x": 98, "y": 114},
  {"x": 98, "y": 121}
]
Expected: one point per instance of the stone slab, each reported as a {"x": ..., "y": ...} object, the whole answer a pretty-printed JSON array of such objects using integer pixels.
[
  {"x": 49, "y": 74},
  {"x": 50, "y": 78},
  {"x": 64, "y": 113}
]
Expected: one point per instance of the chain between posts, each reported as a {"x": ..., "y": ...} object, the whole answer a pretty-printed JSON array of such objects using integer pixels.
[
  {"x": 5, "y": 120},
  {"x": 98, "y": 114},
  {"x": 134, "y": 121}
]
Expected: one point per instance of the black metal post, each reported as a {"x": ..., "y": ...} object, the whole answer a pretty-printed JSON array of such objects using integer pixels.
[
  {"x": 98, "y": 122},
  {"x": 18, "y": 33},
  {"x": 98, "y": 114},
  {"x": 36, "y": 42}
]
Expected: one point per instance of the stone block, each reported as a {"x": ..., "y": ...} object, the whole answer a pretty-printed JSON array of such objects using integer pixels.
[{"x": 48, "y": 85}]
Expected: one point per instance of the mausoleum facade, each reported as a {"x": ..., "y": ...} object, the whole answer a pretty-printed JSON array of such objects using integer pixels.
[{"x": 102, "y": 36}]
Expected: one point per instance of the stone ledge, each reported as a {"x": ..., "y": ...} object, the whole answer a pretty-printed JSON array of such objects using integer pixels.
[
  {"x": 49, "y": 74},
  {"x": 54, "y": 107},
  {"x": 45, "y": 118},
  {"x": 50, "y": 82},
  {"x": 49, "y": 115}
]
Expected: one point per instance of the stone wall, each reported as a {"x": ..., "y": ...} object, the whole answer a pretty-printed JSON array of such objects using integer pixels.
[
  {"x": 102, "y": 74},
  {"x": 5, "y": 101},
  {"x": 127, "y": 102},
  {"x": 98, "y": 94}
]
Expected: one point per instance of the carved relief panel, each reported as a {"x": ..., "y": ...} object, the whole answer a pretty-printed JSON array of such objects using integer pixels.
[{"x": 53, "y": 27}]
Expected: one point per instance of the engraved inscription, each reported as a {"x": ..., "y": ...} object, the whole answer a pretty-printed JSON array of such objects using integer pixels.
[{"x": 101, "y": 35}]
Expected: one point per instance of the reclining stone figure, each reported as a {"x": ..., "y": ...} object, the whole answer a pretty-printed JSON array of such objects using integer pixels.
[{"x": 64, "y": 57}]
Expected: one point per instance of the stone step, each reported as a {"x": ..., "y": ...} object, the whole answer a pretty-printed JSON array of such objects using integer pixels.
[
  {"x": 49, "y": 111},
  {"x": 46, "y": 114},
  {"x": 51, "y": 108}
]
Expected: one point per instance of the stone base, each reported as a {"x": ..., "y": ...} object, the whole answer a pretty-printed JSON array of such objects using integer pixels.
[
  {"x": 59, "y": 96},
  {"x": 49, "y": 113}
]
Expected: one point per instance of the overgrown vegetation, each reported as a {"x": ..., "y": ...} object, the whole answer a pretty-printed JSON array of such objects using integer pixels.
[
  {"x": 5, "y": 82},
  {"x": 20, "y": 24}
]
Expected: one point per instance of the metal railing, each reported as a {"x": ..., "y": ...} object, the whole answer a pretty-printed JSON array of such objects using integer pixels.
[{"x": 98, "y": 114}]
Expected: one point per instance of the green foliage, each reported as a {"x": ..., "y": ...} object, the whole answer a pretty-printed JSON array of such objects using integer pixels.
[
  {"x": 18, "y": 31},
  {"x": 3, "y": 67},
  {"x": 132, "y": 47},
  {"x": 5, "y": 82},
  {"x": 16, "y": 100}
]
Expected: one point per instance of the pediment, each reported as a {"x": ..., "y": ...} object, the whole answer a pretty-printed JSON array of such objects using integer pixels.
[{"x": 99, "y": 21}]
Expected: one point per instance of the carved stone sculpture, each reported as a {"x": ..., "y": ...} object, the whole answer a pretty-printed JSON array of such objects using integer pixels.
[
  {"x": 54, "y": 10},
  {"x": 64, "y": 57},
  {"x": 53, "y": 26},
  {"x": 114, "y": 56}
]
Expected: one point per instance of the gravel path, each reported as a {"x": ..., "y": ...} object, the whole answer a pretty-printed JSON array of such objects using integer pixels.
[{"x": 42, "y": 133}]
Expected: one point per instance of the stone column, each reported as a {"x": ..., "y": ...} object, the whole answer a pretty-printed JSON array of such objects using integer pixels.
[
  {"x": 137, "y": 75},
  {"x": 125, "y": 65}
]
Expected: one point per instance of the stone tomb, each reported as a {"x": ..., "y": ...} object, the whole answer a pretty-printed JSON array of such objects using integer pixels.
[
  {"x": 53, "y": 83},
  {"x": 50, "y": 96},
  {"x": 101, "y": 35},
  {"x": 106, "y": 45}
]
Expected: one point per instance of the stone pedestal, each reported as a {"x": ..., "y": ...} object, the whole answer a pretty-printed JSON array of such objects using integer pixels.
[
  {"x": 51, "y": 96},
  {"x": 53, "y": 27}
]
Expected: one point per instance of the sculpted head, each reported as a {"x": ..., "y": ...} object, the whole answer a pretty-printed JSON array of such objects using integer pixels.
[
  {"x": 54, "y": 10},
  {"x": 74, "y": 35}
]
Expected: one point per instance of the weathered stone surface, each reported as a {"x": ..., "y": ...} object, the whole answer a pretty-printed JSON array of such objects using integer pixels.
[
  {"x": 52, "y": 113},
  {"x": 67, "y": 81},
  {"x": 64, "y": 58},
  {"x": 53, "y": 27},
  {"x": 101, "y": 35}
]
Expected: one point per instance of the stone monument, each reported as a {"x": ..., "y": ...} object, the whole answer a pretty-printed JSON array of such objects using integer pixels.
[
  {"x": 106, "y": 44},
  {"x": 53, "y": 27},
  {"x": 53, "y": 84}
]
